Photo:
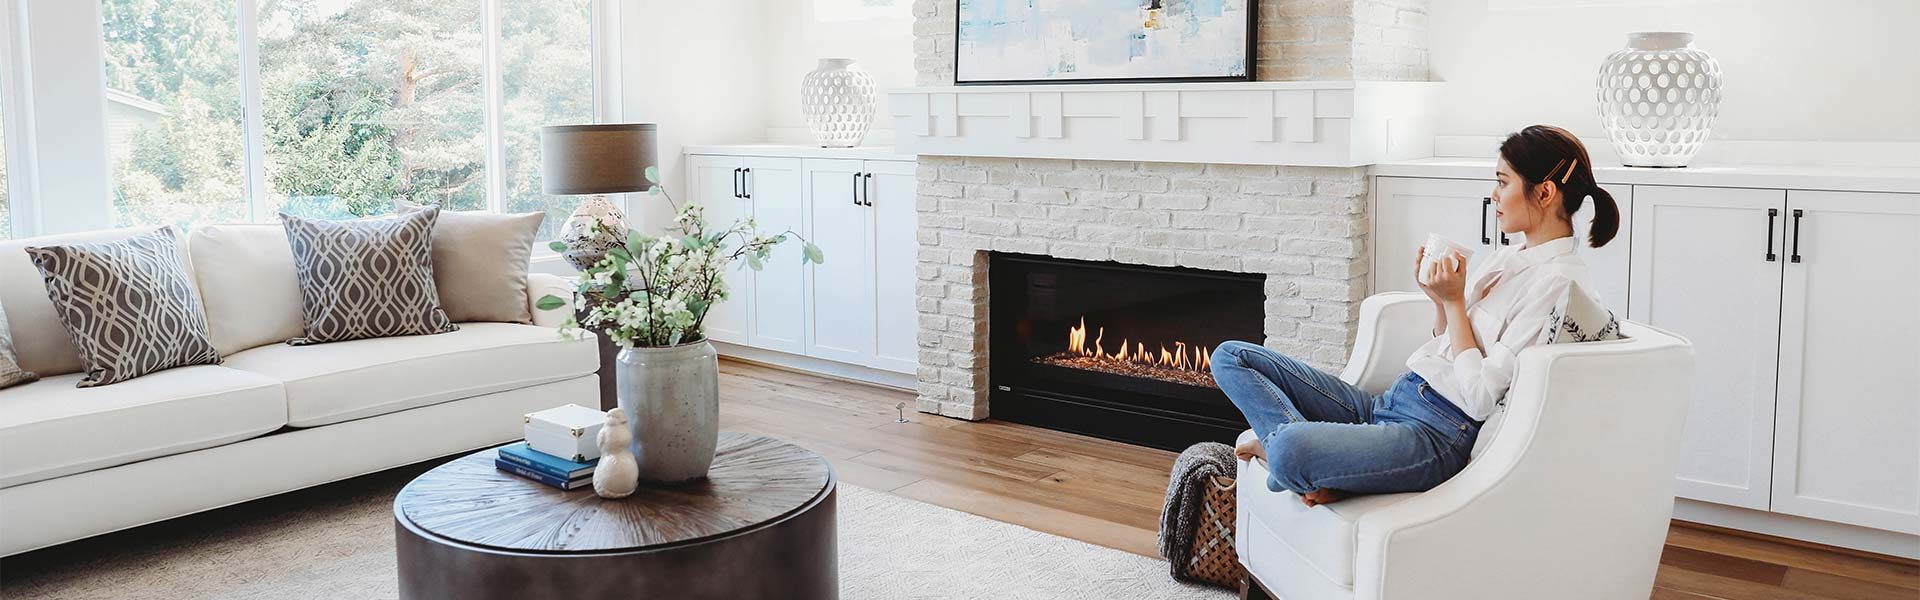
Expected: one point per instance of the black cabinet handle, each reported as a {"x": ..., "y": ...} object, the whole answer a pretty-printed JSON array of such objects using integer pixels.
[
  {"x": 867, "y": 187},
  {"x": 1772, "y": 213},
  {"x": 746, "y": 183},
  {"x": 1797, "y": 213},
  {"x": 736, "y": 182},
  {"x": 1503, "y": 239},
  {"x": 856, "y": 189},
  {"x": 1484, "y": 203}
]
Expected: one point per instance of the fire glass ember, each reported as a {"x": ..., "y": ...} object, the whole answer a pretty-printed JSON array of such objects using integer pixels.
[{"x": 1183, "y": 364}]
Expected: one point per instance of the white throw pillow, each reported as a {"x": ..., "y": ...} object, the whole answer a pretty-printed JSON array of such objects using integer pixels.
[
  {"x": 1579, "y": 317},
  {"x": 248, "y": 285}
]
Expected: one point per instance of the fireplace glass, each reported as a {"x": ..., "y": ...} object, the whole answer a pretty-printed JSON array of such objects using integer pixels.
[{"x": 1117, "y": 351}]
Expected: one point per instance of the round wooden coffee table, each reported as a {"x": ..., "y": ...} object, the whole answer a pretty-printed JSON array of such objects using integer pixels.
[{"x": 760, "y": 526}]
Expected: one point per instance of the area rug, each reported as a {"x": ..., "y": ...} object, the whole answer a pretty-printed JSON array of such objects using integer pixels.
[{"x": 336, "y": 541}]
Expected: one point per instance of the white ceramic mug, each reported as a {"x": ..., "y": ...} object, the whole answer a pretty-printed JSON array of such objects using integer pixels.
[{"x": 1442, "y": 253}]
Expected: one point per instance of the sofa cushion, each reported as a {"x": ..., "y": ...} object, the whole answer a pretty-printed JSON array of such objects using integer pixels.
[
  {"x": 247, "y": 284},
  {"x": 1322, "y": 536},
  {"x": 10, "y": 372},
  {"x": 50, "y": 428},
  {"x": 368, "y": 278},
  {"x": 39, "y": 341},
  {"x": 130, "y": 305},
  {"x": 330, "y": 383},
  {"x": 480, "y": 263}
]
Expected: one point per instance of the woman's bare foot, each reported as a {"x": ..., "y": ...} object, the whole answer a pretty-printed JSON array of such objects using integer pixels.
[
  {"x": 1322, "y": 496},
  {"x": 1249, "y": 450}
]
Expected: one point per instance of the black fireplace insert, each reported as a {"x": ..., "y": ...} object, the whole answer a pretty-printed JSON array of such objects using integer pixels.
[{"x": 1117, "y": 351}]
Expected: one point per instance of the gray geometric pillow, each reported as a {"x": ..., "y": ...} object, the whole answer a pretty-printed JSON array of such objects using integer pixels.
[
  {"x": 10, "y": 372},
  {"x": 1579, "y": 317},
  {"x": 367, "y": 278},
  {"x": 129, "y": 306}
]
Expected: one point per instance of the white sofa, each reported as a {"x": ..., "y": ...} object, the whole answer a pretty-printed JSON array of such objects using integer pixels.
[
  {"x": 272, "y": 418},
  {"x": 1568, "y": 498}
]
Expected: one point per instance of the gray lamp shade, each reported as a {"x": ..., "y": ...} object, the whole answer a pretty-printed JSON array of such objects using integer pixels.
[{"x": 596, "y": 159}]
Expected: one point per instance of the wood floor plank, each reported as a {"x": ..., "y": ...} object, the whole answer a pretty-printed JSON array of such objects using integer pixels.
[{"x": 1108, "y": 493}]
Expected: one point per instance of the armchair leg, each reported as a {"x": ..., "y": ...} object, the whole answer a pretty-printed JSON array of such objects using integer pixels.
[{"x": 1250, "y": 589}]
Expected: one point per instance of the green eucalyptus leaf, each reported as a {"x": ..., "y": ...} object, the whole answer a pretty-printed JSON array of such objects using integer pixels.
[
  {"x": 812, "y": 253},
  {"x": 753, "y": 261},
  {"x": 550, "y": 302},
  {"x": 558, "y": 246},
  {"x": 693, "y": 242},
  {"x": 653, "y": 174},
  {"x": 653, "y": 191}
]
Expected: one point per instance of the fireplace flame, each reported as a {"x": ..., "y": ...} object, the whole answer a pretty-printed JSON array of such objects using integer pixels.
[{"x": 1181, "y": 357}]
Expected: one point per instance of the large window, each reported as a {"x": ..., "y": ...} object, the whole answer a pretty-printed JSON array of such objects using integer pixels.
[
  {"x": 6, "y": 206},
  {"x": 359, "y": 103},
  {"x": 174, "y": 112}
]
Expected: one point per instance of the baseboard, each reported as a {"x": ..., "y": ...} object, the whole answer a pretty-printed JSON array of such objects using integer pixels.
[
  {"x": 1853, "y": 537},
  {"x": 815, "y": 366}
]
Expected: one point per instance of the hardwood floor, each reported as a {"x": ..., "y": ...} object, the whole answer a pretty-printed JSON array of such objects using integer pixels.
[{"x": 1109, "y": 493}]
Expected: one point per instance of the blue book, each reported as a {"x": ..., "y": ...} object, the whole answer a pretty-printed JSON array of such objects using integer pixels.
[
  {"x": 565, "y": 484},
  {"x": 525, "y": 456}
]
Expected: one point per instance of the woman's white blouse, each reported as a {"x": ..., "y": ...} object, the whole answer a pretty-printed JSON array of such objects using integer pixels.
[{"x": 1509, "y": 298}]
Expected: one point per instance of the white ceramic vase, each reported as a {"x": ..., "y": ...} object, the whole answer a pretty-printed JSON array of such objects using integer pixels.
[
  {"x": 1658, "y": 98},
  {"x": 671, "y": 397},
  {"x": 838, "y": 101}
]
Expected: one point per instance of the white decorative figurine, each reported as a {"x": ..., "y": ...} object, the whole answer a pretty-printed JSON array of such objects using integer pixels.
[{"x": 618, "y": 474}]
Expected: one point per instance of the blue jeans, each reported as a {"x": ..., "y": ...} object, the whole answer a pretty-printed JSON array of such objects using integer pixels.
[{"x": 1319, "y": 431}]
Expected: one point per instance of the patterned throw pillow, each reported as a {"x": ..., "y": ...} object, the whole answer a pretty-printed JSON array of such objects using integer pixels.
[
  {"x": 366, "y": 279},
  {"x": 10, "y": 372},
  {"x": 129, "y": 305},
  {"x": 1579, "y": 317}
]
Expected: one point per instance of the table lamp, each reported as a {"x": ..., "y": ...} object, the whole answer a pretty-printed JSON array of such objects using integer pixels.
[{"x": 608, "y": 158}]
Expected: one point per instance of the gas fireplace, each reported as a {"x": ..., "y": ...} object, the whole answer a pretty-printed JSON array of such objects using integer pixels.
[{"x": 1117, "y": 351}]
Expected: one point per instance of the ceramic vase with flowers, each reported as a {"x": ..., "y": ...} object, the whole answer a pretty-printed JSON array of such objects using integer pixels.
[{"x": 651, "y": 296}]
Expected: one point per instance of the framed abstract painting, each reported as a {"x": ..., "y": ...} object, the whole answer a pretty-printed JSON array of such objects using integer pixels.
[{"x": 1103, "y": 41}]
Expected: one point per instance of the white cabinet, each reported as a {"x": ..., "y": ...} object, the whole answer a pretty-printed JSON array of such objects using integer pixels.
[
  {"x": 1706, "y": 265},
  {"x": 892, "y": 195},
  {"x": 1407, "y": 209},
  {"x": 858, "y": 307},
  {"x": 779, "y": 299},
  {"x": 842, "y": 321},
  {"x": 716, "y": 182},
  {"x": 1847, "y": 423}
]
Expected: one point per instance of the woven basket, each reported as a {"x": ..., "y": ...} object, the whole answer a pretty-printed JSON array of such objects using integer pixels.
[{"x": 1213, "y": 559}]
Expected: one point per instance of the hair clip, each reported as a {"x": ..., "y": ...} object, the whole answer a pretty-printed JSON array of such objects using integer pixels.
[{"x": 1569, "y": 173}]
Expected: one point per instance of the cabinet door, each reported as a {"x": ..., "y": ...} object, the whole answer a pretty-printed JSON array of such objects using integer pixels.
[
  {"x": 715, "y": 184},
  {"x": 895, "y": 256},
  {"x": 841, "y": 323},
  {"x": 779, "y": 299},
  {"x": 1701, "y": 269},
  {"x": 1408, "y": 209},
  {"x": 1847, "y": 432}
]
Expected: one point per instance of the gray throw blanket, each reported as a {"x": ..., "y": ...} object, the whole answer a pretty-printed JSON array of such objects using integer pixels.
[{"x": 1179, "y": 519}]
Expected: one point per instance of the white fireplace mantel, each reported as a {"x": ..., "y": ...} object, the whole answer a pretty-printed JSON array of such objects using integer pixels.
[{"x": 1308, "y": 123}]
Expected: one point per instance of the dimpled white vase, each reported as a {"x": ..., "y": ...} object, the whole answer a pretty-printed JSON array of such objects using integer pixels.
[
  {"x": 837, "y": 99},
  {"x": 1658, "y": 98}
]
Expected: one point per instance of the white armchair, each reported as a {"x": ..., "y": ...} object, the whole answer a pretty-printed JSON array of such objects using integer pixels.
[{"x": 1569, "y": 498}]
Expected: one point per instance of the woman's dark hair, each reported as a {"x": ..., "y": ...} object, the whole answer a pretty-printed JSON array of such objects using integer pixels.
[{"x": 1544, "y": 153}]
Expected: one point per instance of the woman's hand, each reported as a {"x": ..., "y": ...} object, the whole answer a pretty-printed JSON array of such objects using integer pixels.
[{"x": 1449, "y": 282}]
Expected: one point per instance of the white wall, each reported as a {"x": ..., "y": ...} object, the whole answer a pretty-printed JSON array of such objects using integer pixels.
[
  {"x": 800, "y": 32},
  {"x": 1797, "y": 70},
  {"x": 695, "y": 69}
]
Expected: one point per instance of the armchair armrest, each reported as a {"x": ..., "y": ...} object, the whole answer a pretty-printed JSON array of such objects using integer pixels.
[
  {"x": 1392, "y": 325},
  {"x": 542, "y": 284}
]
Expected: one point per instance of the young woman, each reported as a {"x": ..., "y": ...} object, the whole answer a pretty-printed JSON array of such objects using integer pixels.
[{"x": 1324, "y": 439}]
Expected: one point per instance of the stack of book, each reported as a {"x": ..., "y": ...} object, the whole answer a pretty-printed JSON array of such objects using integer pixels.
[{"x": 521, "y": 459}]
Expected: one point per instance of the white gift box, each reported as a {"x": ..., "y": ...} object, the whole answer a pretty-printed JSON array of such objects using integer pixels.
[{"x": 569, "y": 431}]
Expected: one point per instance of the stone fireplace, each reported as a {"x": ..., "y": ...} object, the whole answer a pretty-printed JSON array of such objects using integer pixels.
[{"x": 1264, "y": 180}]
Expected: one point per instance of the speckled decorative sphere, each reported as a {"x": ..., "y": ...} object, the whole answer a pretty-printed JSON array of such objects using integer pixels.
[
  {"x": 837, "y": 99},
  {"x": 594, "y": 228},
  {"x": 1658, "y": 98}
]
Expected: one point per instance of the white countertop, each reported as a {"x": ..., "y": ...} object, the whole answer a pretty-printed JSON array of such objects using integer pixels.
[
  {"x": 1853, "y": 179},
  {"x": 800, "y": 151}
]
